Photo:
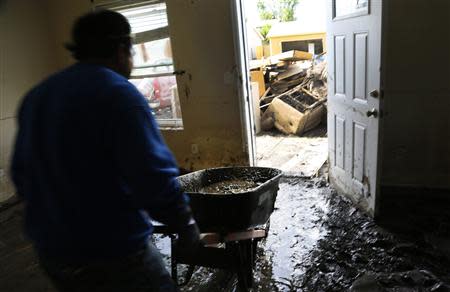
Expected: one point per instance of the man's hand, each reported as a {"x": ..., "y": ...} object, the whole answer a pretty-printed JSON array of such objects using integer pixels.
[{"x": 189, "y": 237}]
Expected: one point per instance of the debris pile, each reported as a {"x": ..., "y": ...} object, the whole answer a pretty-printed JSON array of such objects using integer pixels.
[{"x": 296, "y": 95}]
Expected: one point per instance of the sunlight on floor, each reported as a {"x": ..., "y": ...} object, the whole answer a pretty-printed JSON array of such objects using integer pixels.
[{"x": 293, "y": 155}]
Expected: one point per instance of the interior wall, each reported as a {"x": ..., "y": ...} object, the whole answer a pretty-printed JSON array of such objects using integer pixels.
[
  {"x": 202, "y": 45},
  {"x": 25, "y": 59},
  {"x": 416, "y": 123},
  {"x": 62, "y": 14},
  {"x": 32, "y": 35}
]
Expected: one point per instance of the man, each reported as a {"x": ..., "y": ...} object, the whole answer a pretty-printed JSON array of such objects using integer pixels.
[{"x": 91, "y": 166}]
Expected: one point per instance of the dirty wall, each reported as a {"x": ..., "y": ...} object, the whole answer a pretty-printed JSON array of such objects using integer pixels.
[
  {"x": 202, "y": 43},
  {"x": 416, "y": 139},
  {"x": 202, "y": 46},
  {"x": 25, "y": 58}
]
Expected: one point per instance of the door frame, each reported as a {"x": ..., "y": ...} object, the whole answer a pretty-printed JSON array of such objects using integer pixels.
[
  {"x": 242, "y": 76},
  {"x": 383, "y": 110}
]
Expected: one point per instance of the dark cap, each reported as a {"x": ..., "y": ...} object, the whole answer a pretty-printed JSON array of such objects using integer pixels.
[{"x": 98, "y": 34}]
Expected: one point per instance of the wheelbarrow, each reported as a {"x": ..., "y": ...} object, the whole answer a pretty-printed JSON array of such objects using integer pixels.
[{"x": 232, "y": 219}]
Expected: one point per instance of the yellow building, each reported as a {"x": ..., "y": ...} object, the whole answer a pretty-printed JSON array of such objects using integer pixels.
[{"x": 297, "y": 35}]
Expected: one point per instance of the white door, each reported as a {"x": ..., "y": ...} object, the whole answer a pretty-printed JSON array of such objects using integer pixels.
[
  {"x": 243, "y": 79},
  {"x": 354, "y": 42}
]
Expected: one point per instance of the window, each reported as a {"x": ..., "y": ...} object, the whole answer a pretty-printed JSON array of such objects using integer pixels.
[
  {"x": 306, "y": 46},
  {"x": 153, "y": 73},
  {"x": 350, "y": 8}
]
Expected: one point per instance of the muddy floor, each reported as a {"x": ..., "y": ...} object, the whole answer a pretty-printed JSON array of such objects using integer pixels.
[{"x": 318, "y": 242}]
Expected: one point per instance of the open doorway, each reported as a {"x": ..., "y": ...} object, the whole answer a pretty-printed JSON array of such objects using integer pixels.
[{"x": 286, "y": 42}]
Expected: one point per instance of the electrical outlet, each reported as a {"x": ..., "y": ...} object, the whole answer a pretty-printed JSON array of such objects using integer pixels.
[
  {"x": 194, "y": 148},
  {"x": 2, "y": 172}
]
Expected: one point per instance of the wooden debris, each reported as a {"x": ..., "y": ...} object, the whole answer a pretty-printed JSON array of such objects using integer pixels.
[
  {"x": 289, "y": 120},
  {"x": 310, "y": 93},
  {"x": 292, "y": 71},
  {"x": 265, "y": 93},
  {"x": 295, "y": 99},
  {"x": 258, "y": 76},
  {"x": 282, "y": 86},
  {"x": 280, "y": 59},
  {"x": 291, "y": 56}
]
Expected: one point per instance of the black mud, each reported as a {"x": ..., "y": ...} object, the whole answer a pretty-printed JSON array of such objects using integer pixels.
[
  {"x": 229, "y": 187},
  {"x": 358, "y": 254},
  {"x": 319, "y": 242},
  {"x": 226, "y": 180}
]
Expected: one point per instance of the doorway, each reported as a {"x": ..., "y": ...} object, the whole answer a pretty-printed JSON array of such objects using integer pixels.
[
  {"x": 288, "y": 83},
  {"x": 293, "y": 95}
]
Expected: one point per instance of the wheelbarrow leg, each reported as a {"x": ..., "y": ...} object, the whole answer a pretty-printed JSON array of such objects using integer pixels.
[
  {"x": 245, "y": 256},
  {"x": 250, "y": 260},
  {"x": 173, "y": 259},
  {"x": 241, "y": 268},
  {"x": 254, "y": 251}
]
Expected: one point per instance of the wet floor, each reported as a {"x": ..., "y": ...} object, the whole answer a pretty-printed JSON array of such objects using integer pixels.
[{"x": 317, "y": 242}]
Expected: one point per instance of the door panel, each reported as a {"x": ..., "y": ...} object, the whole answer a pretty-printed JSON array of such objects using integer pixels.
[
  {"x": 359, "y": 145},
  {"x": 339, "y": 42},
  {"x": 340, "y": 142},
  {"x": 354, "y": 72},
  {"x": 360, "y": 73}
]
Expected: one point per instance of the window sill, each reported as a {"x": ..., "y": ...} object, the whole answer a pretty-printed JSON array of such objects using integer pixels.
[
  {"x": 170, "y": 124},
  {"x": 167, "y": 129}
]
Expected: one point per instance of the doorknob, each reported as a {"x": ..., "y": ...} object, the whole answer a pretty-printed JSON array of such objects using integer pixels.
[
  {"x": 374, "y": 93},
  {"x": 373, "y": 112}
]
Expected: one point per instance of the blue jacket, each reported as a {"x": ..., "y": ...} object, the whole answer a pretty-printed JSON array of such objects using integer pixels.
[{"x": 91, "y": 165}]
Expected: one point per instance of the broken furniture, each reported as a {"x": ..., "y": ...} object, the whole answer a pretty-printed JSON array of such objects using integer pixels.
[
  {"x": 295, "y": 101},
  {"x": 293, "y": 116},
  {"x": 232, "y": 207}
]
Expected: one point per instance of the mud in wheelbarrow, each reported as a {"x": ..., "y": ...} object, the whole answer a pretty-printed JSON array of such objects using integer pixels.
[{"x": 231, "y": 199}]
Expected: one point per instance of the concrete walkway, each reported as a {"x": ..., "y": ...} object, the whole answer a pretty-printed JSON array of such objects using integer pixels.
[{"x": 297, "y": 156}]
